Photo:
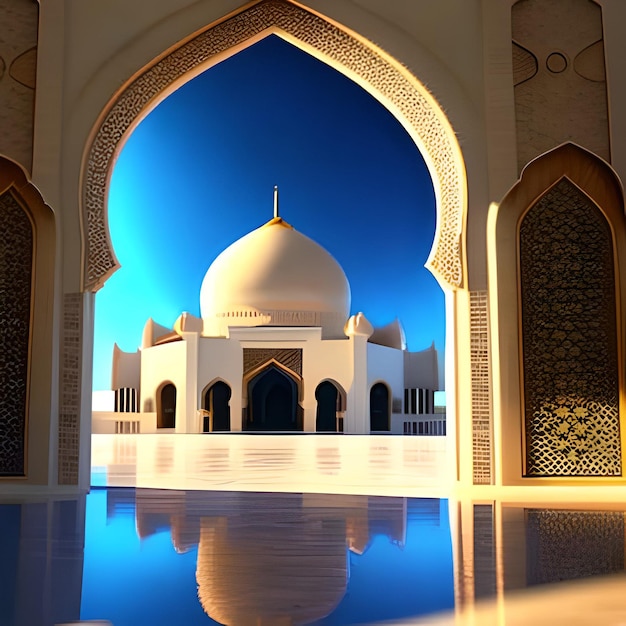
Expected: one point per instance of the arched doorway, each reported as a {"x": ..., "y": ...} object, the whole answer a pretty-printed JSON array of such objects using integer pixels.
[
  {"x": 217, "y": 403},
  {"x": 379, "y": 408},
  {"x": 273, "y": 402},
  {"x": 327, "y": 396},
  {"x": 166, "y": 406}
]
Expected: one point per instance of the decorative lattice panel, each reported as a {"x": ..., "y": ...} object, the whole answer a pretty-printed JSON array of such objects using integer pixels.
[
  {"x": 568, "y": 308},
  {"x": 16, "y": 265},
  {"x": 417, "y": 109},
  {"x": 290, "y": 358},
  {"x": 481, "y": 394},
  {"x": 69, "y": 410},
  {"x": 563, "y": 545}
]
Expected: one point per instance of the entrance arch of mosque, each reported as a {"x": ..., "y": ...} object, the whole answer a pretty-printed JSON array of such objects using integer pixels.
[
  {"x": 558, "y": 275},
  {"x": 273, "y": 401}
]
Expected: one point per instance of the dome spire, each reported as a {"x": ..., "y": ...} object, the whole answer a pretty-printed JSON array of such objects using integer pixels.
[
  {"x": 277, "y": 220},
  {"x": 276, "y": 202}
]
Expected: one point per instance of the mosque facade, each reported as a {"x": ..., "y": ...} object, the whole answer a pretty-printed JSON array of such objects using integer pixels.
[{"x": 275, "y": 349}]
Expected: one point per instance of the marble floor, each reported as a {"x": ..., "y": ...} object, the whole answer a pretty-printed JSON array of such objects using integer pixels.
[
  {"x": 352, "y": 464},
  {"x": 357, "y": 464}
]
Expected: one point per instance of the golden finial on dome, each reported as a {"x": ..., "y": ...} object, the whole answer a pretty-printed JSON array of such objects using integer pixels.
[{"x": 277, "y": 219}]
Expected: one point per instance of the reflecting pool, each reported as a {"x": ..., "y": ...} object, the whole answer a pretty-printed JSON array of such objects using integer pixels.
[{"x": 193, "y": 557}]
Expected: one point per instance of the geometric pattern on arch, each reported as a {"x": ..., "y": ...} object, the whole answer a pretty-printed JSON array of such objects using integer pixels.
[
  {"x": 27, "y": 262},
  {"x": 291, "y": 358}
]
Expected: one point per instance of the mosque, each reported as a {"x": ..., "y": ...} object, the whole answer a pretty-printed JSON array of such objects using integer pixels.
[{"x": 275, "y": 350}]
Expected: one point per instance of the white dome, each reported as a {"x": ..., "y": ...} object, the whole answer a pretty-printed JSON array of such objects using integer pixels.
[{"x": 275, "y": 276}]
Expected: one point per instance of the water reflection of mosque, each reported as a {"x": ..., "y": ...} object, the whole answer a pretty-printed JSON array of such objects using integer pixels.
[
  {"x": 289, "y": 552},
  {"x": 498, "y": 547}
]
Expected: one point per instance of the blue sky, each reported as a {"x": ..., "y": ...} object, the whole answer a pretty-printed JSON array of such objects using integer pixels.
[{"x": 198, "y": 173}]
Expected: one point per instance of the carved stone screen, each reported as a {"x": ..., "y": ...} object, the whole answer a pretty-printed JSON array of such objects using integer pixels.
[
  {"x": 16, "y": 264},
  {"x": 569, "y": 338}
]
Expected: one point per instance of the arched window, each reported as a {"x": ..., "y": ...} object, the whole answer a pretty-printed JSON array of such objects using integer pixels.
[
  {"x": 327, "y": 396},
  {"x": 379, "y": 407},
  {"x": 166, "y": 406},
  {"x": 217, "y": 403}
]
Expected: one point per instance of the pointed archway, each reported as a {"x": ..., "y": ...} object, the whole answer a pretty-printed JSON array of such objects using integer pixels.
[
  {"x": 328, "y": 402},
  {"x": 273, "y": 401},
  {"x": 387, "y": 79},
  {"x": 217, "y": 404},
  {"x": 558, "y": 271}
]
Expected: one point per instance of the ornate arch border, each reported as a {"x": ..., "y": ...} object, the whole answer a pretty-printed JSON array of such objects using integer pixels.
[{"x": 369, "y": 66}]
